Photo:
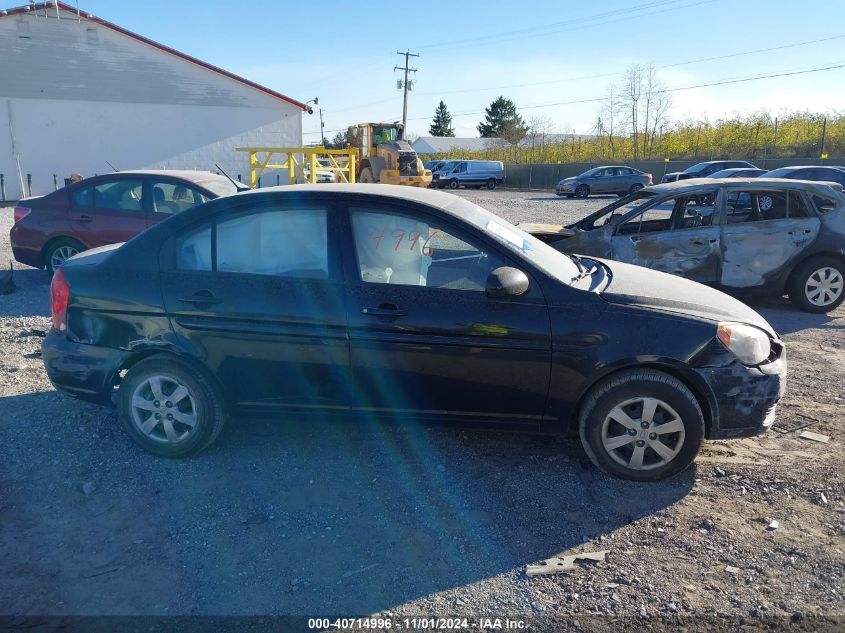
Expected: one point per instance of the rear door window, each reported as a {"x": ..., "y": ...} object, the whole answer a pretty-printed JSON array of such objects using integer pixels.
[
  {"x": 277, "y": 242},
  {"x": 124, "y": 195},
  {"x": 761, "y": 206}
]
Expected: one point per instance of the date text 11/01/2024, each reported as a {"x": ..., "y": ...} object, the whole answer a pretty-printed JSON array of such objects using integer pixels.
[{"x": 418, "y": 624}]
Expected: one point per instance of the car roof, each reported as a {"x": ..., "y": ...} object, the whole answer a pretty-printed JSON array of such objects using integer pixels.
[
  {"x": 439, "y": 199},
  {"x": 185, "y": 174},
  {"x": 680, "y": 186}
]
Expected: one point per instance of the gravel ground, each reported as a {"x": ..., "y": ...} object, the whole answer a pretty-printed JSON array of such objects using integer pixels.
[{"x": 306, "y": 517}]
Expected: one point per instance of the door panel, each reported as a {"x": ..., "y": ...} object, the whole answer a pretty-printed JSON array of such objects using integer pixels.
[
  {"x": 266, "y": 309},
  {"x": 760, "y": 234},
  {"x": 107, "y": 212},
  {"x": 425, "y": 339},
  {"x": 751, "y": 251},
  {"x": 275, "y": 342},
  {"x": 691, "y": 253}
]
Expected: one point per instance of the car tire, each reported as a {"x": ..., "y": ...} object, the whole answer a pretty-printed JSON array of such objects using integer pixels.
[
  {"x": 582, "y": 191},
  {"x": 58, "y": 251},
  {"x": 366, "y": 175},
  {"x": 491, "y": 184},
  {"x": 818, "y": 284},
  {"x": 635, "y": 188},
  {"x": 196, "y": 418},
  {"x": 610, "y": 425},
  {"x": 454, "y": 184}
]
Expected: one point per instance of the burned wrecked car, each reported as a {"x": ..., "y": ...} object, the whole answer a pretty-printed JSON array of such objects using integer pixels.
[{"x": 764, "y": 235}]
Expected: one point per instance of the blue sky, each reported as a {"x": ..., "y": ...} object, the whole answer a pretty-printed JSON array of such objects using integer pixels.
[{"x": 534, "y": 53}]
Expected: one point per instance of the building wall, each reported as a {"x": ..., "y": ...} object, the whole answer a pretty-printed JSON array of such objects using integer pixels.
[{"x": 74, "y": 94}]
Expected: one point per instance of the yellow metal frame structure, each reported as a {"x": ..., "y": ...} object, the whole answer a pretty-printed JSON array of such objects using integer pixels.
[{"x": 295, "y": 160}]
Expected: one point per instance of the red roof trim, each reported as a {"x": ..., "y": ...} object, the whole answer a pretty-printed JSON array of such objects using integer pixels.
[{"x": 161, "y": 47}]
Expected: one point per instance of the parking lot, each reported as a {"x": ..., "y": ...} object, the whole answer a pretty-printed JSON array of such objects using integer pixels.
[{"x": 308, "y": 517}]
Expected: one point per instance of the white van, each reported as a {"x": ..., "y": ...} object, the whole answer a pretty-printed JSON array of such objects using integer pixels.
[{"x": 473, "y": 173}]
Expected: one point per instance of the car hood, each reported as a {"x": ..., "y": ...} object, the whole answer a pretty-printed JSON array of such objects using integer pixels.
[
  {"x": 637, "y": 286},
  {"x": 568, "y": 180}
]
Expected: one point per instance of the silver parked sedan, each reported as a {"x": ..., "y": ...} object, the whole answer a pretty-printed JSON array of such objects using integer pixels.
[{"x": 620, "y": 180}]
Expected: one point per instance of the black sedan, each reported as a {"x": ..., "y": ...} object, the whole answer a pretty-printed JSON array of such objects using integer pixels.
[
  {"x": 379, "y": 301},
  {"x": 706, "y": 169}
]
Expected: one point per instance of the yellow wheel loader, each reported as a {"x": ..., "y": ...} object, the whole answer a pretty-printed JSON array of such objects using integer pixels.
[{"x": 385, "y": 157}]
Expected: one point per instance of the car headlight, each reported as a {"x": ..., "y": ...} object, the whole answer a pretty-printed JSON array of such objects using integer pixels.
[{"x": 749, "y": 344}]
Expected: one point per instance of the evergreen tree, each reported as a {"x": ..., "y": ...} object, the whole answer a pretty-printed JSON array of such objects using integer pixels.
[
  {"x": 441, "y": 125},
  {"x": 503, "y": 121}
]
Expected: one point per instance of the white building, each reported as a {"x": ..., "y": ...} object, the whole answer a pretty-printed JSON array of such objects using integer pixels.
[
  {"x": 442, "y": 144},
  {"x": 77, "y": 91}
]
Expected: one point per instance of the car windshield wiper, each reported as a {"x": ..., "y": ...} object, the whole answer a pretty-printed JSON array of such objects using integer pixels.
[{"x": 583, "y": 271}]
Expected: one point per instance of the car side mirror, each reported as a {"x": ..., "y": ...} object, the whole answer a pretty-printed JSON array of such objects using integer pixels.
[{"x": 506, "y": 282}]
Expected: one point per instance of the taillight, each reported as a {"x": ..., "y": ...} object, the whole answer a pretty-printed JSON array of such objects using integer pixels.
[
  {"x": 650, "y": 181},
  {"x": 21, "y": 213},
  {"x": 59, "y": 296}
]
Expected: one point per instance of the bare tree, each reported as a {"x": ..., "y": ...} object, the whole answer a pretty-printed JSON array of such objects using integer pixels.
[
  {"x": 630, "y": 93},
  {"x": 609, "y": 117},
  {"x": 657, "y": 103},
  {"x": 539, "y": 127}
]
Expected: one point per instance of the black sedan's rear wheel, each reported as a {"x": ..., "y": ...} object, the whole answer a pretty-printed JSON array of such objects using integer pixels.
[
  {"x": 818, "y": 285},
  {"x": 169, "y": 408},
  {"x": 582, "y": 191},
  {"x": 642, "y": 425}
]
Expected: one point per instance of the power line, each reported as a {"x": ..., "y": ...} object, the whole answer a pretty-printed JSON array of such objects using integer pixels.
[
  {"x": 718, "y": 82},
  {"x": 550, "y": 28},
  {"x": 613, "y": 74}
]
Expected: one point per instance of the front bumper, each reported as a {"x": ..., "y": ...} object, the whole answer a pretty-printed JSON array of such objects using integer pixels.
[
  {"x": 87, "y": 372},
  {"x": 564, "y": 189},
  {"x": 745, "y": 398}
]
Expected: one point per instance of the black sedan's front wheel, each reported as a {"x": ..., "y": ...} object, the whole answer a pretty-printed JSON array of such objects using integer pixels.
[
  {"x": 169, "y": 408},
  {"x": 642, "y": 425}
]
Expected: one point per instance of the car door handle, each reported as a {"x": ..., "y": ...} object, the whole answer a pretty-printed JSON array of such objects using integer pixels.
[
  {"x": 201, "y": 297},
  {"x": 85, "y": 218},
  {"x": 384, "y": 310}
]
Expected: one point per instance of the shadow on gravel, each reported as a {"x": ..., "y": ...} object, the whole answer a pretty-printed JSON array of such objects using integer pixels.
[
  {"x": 31, "y": 296},
  {"x": 786, "y": 318},
  {"x": 573, "y": 199},
  {"x": 285, "y": 518}
]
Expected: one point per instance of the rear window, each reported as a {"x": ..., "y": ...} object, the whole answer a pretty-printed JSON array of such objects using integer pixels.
[{"x": 219, "y": 188}]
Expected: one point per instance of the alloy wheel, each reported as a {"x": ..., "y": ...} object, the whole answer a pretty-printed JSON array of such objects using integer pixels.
[
  {"x": 642, "y": 433},
  {"x": 58, "y": 256},
  {"x": 163, "y": 409},
  {"x": 824, "y": 286}
]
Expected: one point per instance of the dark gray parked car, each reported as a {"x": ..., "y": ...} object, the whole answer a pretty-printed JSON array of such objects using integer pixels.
[
  {"x": 618, "y": 179},
  {"x": 766, "y": 235},
  {"x": 821, "y": 173},
  {"x": 705, "y": 169}
]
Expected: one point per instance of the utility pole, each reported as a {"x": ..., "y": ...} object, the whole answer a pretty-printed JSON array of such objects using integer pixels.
[
  {"x": 407, "y": 70},
  {"x": 322, "y": 133}
]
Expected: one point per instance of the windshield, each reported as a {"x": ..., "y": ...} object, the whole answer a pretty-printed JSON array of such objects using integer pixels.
[
  {"x": 447, "y": 166},
  {"x": 384, "y": 135},
  {"x": 590, "y": 172},
  {"x": 525, "y": 246}
]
